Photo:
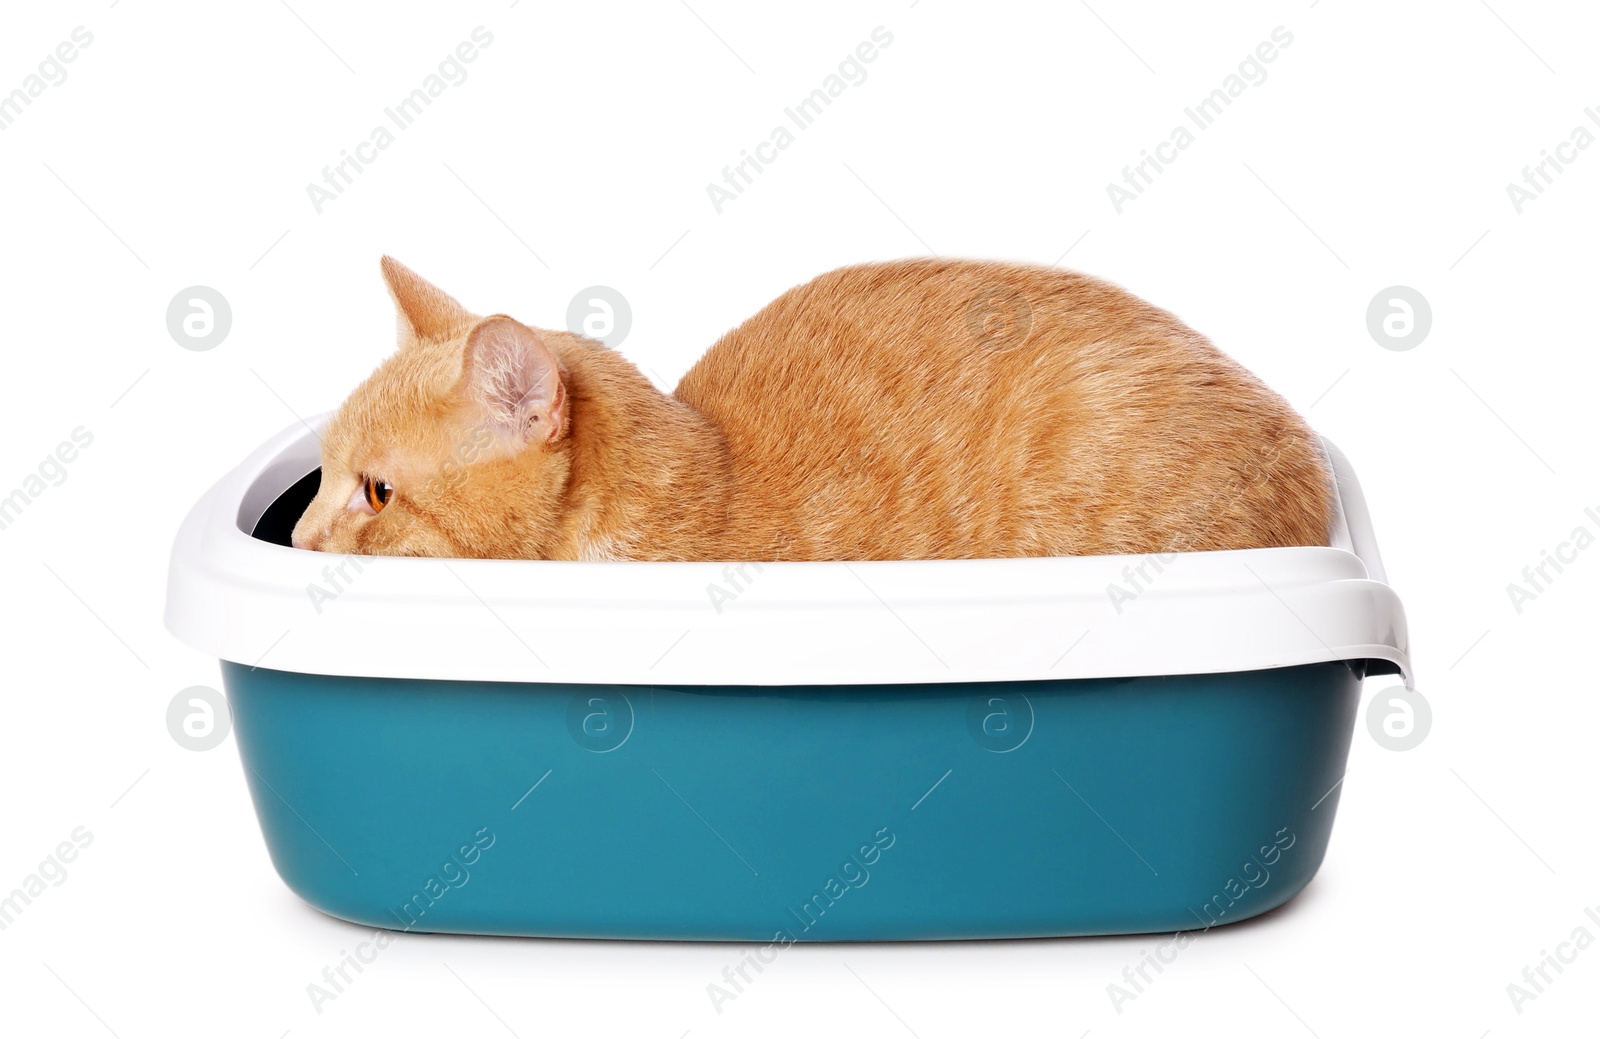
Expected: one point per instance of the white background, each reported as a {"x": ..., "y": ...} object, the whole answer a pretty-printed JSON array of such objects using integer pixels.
[{"x": 1376, "y": 153}]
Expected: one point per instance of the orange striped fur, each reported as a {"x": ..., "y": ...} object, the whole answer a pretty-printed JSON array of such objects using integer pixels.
[{"x": 920, "y": 409}]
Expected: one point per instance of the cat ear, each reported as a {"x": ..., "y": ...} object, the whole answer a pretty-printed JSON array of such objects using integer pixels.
[
  {"x": 513, "y": 377},
  {"x": 423, "y": 311}
]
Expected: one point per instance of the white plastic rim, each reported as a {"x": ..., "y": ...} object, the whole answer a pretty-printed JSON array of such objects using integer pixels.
[{"x": 718, "y": 624}]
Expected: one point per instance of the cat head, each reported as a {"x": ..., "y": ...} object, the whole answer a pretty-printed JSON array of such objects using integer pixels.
[{"x": 457, "y": 446}]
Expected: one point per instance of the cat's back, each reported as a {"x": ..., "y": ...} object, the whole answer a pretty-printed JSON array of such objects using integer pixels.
[{"x": 935, "y": 408}]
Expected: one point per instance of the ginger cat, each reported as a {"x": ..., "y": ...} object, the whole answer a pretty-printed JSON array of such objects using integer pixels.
[{"x": 921, "y": 409}]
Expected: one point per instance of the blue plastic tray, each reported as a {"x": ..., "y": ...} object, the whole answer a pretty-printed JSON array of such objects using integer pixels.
[{"x": 797, "y": 814}]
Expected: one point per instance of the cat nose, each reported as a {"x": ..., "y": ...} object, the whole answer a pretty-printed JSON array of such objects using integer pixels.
[{"x": 311, "y": 541}]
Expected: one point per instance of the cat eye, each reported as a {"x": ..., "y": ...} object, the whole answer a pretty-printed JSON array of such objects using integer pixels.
[{"x": 377, "y": 493}]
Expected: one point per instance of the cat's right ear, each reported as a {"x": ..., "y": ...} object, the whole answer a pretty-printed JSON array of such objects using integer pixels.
[
  {"x": 514, "y": 381},
  {"x": 422, "y": 310}
]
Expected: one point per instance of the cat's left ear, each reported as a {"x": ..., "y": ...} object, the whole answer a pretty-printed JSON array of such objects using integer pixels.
[
  {"x": 423, "y": 311},
  {"x": 513, "y": 377}
]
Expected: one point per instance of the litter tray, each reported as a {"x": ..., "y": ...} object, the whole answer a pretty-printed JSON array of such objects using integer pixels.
[{"x": 786, "y": 751}]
